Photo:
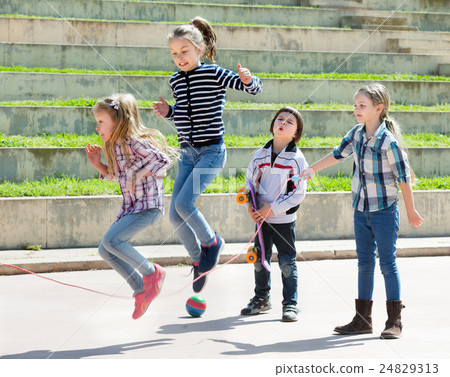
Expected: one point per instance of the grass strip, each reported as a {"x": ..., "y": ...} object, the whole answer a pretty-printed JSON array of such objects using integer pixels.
[
  {"x": 64, "y": 140},
  {"x": 90, "y": 102},
  {"x": 286, "y": 75},
  {"x": 72, "y": 186}
]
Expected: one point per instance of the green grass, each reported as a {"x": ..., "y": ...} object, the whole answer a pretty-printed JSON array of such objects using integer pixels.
[
  {"x": 287, "y": 75},
  {"x": 71, "y": 186},
  {"x": 243, "y": 24},
  {"x": 74, "y": 140},
  {"x": 89, "y": 102}
]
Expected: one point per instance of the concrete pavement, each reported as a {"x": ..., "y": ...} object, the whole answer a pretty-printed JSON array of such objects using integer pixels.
[
  {"x": 41, "y": 319},
  {"x": 80, "y": 259}
]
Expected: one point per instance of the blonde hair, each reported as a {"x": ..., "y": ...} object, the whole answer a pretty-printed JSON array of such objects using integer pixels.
[
  {"x": 379, "y": 94},
  {"x": 124, "y": 112},
  {"x": 198, "y": 32}
]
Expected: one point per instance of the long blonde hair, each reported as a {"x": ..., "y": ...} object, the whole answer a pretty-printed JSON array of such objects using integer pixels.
[
  {"x": 379, "y": 94},
  {"x": 198, "y": 32},
  {"x": 124, "y": 112}
]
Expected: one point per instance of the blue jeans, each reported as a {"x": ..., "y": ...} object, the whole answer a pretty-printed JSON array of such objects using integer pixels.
[
  {"x": 120, "y": 255},
  {"x": 377, "y": 230},
  {"x": 283, "y": 236},
  {"x": 196, "y": 170}
]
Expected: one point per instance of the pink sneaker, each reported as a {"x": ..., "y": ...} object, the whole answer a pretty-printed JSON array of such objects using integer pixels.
[
  {"x": 152, "y": 286},
  {"x": 140, "y": 305},
  {"x": 153, "y": 283}
]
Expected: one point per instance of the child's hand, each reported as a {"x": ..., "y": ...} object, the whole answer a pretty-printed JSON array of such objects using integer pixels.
[
  {"x": 307, "y": 174},
  {"x": 253, "y": 214},
  {"x": 93, "y": 155},
  {"x": 244, "y": 74},
  {"x": 263, "y": 213},
  {"x": 161, "y": 109},
  {"x": 415, "y": 219}
]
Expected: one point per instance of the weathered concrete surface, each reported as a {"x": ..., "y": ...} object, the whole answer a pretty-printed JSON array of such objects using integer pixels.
[
  {"x": 273, "y": 61},
  {"x": 31, "y": 120},
  {"x": 67, "y": 222},
  {"x": 171, "y": 12},
  {"x": 42, "y": 319},
  {"x": 121, "y": 33},
  {"x": 16, "y": 86},
  {"x": 20, "y": 164}
]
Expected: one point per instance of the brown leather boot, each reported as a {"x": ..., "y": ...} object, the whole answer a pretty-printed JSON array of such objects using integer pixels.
[
  {"x": 362, "y": 321},
  {"x": 393, "y": 329}
]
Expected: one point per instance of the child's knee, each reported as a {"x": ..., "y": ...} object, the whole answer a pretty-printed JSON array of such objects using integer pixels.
[{"x": 287, "y": 269}]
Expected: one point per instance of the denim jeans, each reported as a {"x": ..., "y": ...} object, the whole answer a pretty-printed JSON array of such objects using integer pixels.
[
  {"x": 123, "y": 257},
  {"x": 377, "y": 230},
  {"x": 196, "y": 170},
  {"x": 283, "y": 236}
]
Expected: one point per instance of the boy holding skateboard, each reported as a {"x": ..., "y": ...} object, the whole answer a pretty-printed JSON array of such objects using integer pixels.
[{"x": 278, "y": 199}]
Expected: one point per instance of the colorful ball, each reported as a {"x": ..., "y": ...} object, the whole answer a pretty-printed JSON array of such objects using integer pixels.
[{"x": 196, "y": 306}]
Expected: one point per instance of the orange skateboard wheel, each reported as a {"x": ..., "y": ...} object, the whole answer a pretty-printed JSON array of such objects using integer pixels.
[
  {"x": 251, "y": 257},
  {"x": 241, "y": 198}
]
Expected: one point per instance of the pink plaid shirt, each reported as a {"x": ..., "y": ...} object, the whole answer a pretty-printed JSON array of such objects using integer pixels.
[{"x": 149, "y": 191}]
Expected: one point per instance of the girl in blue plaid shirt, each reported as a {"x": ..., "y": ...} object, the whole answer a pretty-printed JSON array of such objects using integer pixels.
[
  {"x": 137, "y": 157},
  {"x": 380, "y": 164}
]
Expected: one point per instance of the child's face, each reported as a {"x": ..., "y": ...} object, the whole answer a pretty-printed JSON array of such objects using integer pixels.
[
  {"x": 185, "y": 55},
  {"x": 105, "y": 125},
  {"x": 365, "y": 111},
  {"x": 285, "y": 127}
]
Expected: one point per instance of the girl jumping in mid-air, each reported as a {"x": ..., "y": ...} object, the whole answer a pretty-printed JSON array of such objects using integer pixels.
[
  {"x": 138, "y": 158},
  {"x": 380, "y": 164},
  {"x": 199, "y": 90}
]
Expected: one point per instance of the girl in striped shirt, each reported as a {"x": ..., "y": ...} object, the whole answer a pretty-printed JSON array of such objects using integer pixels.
[
  {"x": 380, "y": 165},
  {"x": 199, "y": 90},
  {"x": 137, "y": 157}
]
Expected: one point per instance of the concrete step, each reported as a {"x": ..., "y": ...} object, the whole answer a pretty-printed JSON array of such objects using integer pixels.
[
  {"x": 373, "y": 20},
  {"x": 18, "y": 86},
  {"x": 83, "y": 259},
  {"x": 159, "y": 58},
  {"x": 20, "y": 164},
  {"x": 30, "y": 121},
  {"x": 113, "y": 33},
  {"x": 409, "y": 5},
  {"x": 229, "y": 13},
  {"x": 440, "y": 44},
  {"x": 74, "y": 222},
  {"x": 384, "y": 27}
]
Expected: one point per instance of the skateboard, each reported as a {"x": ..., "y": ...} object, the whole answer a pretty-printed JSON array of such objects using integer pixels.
[{"x": 253, "y": 252}]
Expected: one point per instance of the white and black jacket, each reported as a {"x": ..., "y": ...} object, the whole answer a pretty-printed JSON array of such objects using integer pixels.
[{"x": 269, "y": 179}]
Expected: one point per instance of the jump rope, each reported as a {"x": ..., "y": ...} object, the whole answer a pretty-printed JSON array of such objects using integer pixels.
[
  {"x": 261, "y": 222},
  {"x": 293, "y": 178}
]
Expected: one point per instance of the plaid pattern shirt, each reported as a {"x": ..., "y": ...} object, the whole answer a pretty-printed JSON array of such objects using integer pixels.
[
  {"x": 149, "y": 191},
  {"x": 379, "y": 165}
]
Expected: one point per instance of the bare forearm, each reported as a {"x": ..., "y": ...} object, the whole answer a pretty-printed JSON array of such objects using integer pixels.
[{"x": 323, "y": 163}]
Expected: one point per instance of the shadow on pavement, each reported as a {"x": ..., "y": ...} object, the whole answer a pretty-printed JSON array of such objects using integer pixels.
[
  {"x": 221, "y": 324},
  {"x": 304, "y": 345},
  {"x": 82, "y": 353}
]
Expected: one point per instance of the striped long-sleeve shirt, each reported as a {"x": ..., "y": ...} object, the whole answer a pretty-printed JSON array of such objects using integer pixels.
[
  {"x": 379, "y": 164},
  {"x": 200, "y": 99}
]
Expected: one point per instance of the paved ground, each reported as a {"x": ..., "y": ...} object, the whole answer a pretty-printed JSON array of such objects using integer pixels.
[{"x": 42, "y": 319}]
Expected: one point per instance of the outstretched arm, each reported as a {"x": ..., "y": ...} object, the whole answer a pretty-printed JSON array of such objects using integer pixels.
[{"x": 323, "y": 163}]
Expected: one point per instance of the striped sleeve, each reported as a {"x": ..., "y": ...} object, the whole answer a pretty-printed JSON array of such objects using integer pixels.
[{"x": 232, "y": 80}]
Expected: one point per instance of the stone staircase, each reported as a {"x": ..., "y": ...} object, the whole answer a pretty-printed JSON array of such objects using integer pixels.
[{"x": 105, "y": 35}]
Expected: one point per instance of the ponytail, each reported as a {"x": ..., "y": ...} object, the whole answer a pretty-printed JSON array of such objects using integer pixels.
[
  {"x": 209, "y": 37},
  {"x": 198, "y": 32}
]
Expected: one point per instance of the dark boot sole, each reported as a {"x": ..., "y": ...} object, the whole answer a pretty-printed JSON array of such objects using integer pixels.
[{"x": 353, "y": 332}]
